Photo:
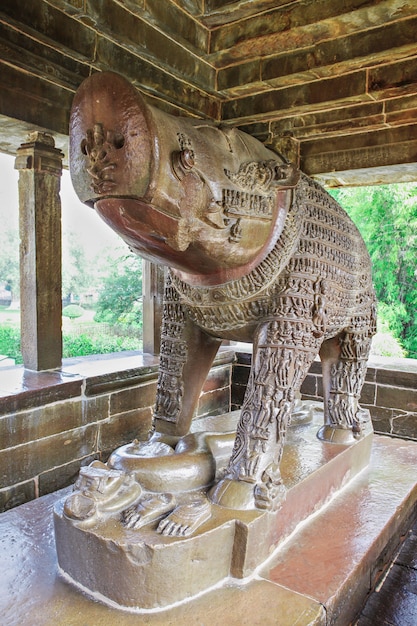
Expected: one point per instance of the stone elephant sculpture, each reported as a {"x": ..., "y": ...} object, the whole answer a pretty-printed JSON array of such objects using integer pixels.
[{"x": 257, "y": 251}]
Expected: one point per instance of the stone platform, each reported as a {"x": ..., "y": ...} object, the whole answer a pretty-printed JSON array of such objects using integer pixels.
[
  {"x": 230, "y": 543},
  {"x": 321, "y": 574}
]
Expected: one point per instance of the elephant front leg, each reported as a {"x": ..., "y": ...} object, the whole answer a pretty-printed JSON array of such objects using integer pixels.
[
  {"x": 187, "y": 354},
  {"x": 279, "y": 366}
]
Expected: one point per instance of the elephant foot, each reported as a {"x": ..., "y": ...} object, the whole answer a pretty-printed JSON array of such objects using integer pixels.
[
  {"x": 150, "y": 508},
  {"x": 234, "y": 494},
  {"x": 266, "y": 494},
  {"x": 186, "y": 518},
  {"x": 270, "y": 492}
]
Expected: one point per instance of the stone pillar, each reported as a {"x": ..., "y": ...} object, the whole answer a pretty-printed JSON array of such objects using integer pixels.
[
  {"x": 153, "y": 280},
  {"x": 40, "y": 168}
]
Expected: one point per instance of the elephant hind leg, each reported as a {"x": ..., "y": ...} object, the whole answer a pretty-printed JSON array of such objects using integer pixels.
[{"x": 344, "y": 361}]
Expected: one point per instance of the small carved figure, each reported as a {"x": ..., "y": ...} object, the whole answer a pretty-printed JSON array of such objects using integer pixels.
[{"x": 258, "y": 252}]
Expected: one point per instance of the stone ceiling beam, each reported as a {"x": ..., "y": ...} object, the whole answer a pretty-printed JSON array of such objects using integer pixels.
[
  {"x": 380, "y": 148},
  {"x": 315, "y": 95},
  {"x": 291, "y": 26},
  {"x": 30, "y": 43},
  {"x": 288, "y": 72}
]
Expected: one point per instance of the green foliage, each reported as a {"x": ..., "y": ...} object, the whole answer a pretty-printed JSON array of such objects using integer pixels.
[
  {"x": 120, "y": 298},
  {"x": 386, "y": 215},
  {"x": 73, "y": 311},
  {"x": 73, "y": 346},
  {"x": 9, "y": 258},
  {"x": 78, "y": 273},
  {"x": 84, "y": 345},
  {"x": 10, "y": 343}
]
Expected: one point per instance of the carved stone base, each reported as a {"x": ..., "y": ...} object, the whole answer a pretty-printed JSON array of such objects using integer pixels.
[{"x": 146, "y": 570}]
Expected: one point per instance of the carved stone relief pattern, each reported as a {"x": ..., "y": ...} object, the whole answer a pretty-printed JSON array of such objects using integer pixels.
[
  {"x": 170, "y": 386},
  {"x": 318, "y": 243},
  {"x": 99, "y": 145},
  {"x": 279, "y": 367}
]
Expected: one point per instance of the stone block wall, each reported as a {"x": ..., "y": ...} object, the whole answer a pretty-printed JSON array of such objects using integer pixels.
[
  {"x": 389, "y": 392},
  {"x": 53, "y": 422}
]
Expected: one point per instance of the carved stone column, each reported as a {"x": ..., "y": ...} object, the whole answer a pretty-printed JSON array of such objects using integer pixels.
[
  {"x": 153, "y": 277},
  {"x": 40, "y": 168}
]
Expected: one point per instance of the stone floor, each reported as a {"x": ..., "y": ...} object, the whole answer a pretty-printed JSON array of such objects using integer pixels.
[{"x": 394, "y": 602}]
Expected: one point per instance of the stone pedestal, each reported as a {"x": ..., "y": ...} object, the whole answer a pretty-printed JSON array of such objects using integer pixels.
[{"x": 140, "y": 569}]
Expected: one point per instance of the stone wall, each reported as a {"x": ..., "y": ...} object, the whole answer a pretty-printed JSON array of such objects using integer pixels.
[
  {"x": 389, "y": 392},
  {"x": 53, "y": 422}
]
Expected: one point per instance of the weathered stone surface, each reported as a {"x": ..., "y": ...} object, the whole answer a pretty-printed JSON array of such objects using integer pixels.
[
  {"x": 214, "y": 402},
  {"x": 22, "y": 389},
  {"x": 120, "y": 24},
  {"x": 62, "y": 476},
  {"x": 153, "y": 280},
  {"x": 392, "y": 375},
  {"x": 23, "y": 462},
  {"x": 341, "y": 54},
  {"x": 333, "y": 121},
  {"x": 324, "y": 536},
  {"x": 53, "y": 25},
  {"x": 401, "y": 583},
  {"x": 132, "y": 398},
  {"x": 177, "y": 22},
  {"x": 365, "y": 150},
  {"x": 155, "y": 80},
  {"x": 309, "y": 386},
  {"x": 404, "y": 425},
  {"x": 268, "y": 26},
  {"x": 218, "y": 378},
  {"x": 32, "y": 55},
  {"x": 398, "y": 77},
  {"x": 405, "y": 399},
  {"x": 27, "y": 426},
  {"x": 17, "y": 495},
  {"x": 33, "y": 100},
  {"x": 368, "y": 394},
  {"x": 95, "y": 409},
  {"x": 309, "y": 96},
  {"x": 381, "y": 419},
  {"x": 123, "y": 428}
]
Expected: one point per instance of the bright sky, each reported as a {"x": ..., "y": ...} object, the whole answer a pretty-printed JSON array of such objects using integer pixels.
[{"x": 90, "y": 230}]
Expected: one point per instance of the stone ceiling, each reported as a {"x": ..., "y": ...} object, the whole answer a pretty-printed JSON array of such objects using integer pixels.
[{"x": 331, "y": 83}]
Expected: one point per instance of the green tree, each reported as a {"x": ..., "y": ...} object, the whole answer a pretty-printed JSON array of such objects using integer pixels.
[
  {"x": 120, "y": 298},
  {"x": 78, "y": 274},
  {"x": 73, "y": 311},
  {"x": 9, "y": 259},
  {"x": 386, "y": 215}
]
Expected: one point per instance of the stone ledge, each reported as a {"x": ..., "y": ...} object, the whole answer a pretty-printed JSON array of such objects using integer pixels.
[{"x": 21, "y": 389}]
